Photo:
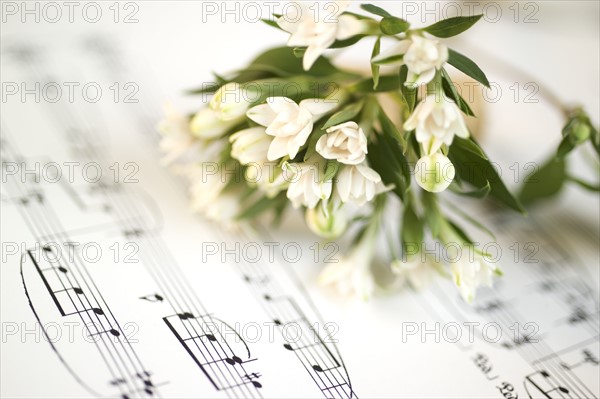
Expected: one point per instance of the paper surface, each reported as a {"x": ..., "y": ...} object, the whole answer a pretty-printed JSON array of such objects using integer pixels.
[{"x": 112, "y": 288}]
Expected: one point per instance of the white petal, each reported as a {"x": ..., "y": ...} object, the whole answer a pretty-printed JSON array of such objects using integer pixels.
[
  {"x": 277, "y": 149},
  {"x": 349, "y": 26},
  {"x": 261, "y": 114},
  {"x": 311, "y": 55},
  {"x": 393, "y": 52},
  {"x": 425, "y": 77},
  {"x": 369, "y": 173},
  {"x": 281, "y": 104},
  {"x": 344, "y": 181},
  {"x": 317, "y": 106},
  {"x": 334, "y": 272}
]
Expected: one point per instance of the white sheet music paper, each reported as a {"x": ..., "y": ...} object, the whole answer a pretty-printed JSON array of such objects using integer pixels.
[{"x": 110, "y": 287}]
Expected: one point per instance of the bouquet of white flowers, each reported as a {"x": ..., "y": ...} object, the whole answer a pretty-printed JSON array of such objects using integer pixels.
[{"x": 292, "y": 128}]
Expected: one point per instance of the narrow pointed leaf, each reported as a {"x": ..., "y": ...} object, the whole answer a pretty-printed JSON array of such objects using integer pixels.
[
  {"x": 452, "y": 26},
  {"x": 373, "y": 9},
  {"x": 467, "y": 66},
  {"x": 393, "y": 25},
  {"x": 344, "y": 115}
]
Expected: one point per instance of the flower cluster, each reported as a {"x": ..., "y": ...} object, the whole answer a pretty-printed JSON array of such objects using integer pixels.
[{"x": 333, "y": 148}]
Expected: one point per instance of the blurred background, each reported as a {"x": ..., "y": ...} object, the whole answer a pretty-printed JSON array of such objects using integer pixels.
[{"x": 526, "y": 48}]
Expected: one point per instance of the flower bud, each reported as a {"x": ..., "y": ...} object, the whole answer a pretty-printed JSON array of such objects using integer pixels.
[
  {"x": 434, "y": 173},
  {"x": 229, "y": 102},
  {"x": 581, "y": 132},
  {"x": 326, "y": 223},
  {"x": 205, "y": 125}
]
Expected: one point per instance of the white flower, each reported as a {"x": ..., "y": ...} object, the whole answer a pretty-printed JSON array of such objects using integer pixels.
[
  {"x": 307, "y": 186},
  {"x": 434, "y": 173},
  {"x": 358, "y": 184},
  {"x": 225, "y": 210},
  {"x": 353, "y": 274},
  {"x": 422, "y": 57},
  {"x": 176, "y": 137},
  {"x": 468, "y": 274},
  {"x": 345, "y": 142},
  {"x": 326, "y": 220},
  {"x": 267, "y": 176},
  {"x": 317, "y": 28},
  {"x": 206, "y": 184},
  {"x": 206, "y": 124},
  {"x": 250, "y": 145},
  {"x": 288, "y": 122},
  {"x": 230, "y": 102},
  {"x": 416, "y": 270},
  {"x": 436, "y": 120}
]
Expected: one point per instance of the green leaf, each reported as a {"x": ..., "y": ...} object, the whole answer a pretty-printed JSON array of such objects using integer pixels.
[
  {"x": 369, "y": 114},
  {"x": 344, "y": 115},
  {"x": 546, "y": 182},
  {"x": 347, "y": 42},
  {"x": 386, "y": 83},
  {"x": 452, "y": 26},
  {"x": 468, "y": 67},
  {"x": 432, "y": 213},
  {"x": 271, "y": 23},
  {"x": 478, "y": 171},
  {"x": 299, "y": 52},
  {"x": 261, "y": 205},
  {"x": 375, "y": 68},
  {"x": 412, "y": 227},
  {"x": 451, "y": 92},
  {"x": 583, "y": 184},
  {"x": 373, "y": 9},
  {"x": 393, "y": 25},
  {"x": 470, "y": 145},
  {"x": 386, "y": 158},
  {"x": 410, "y": 95},
  {"x": 388, "y": 127},
  {"x": 565, "y": 147},
  {"x": 281, "y": 62},
  {"x": 471, "y": 220},
  {"x": 480, "y": 192},
  {"x": 461, "y": 233},
  {"x": 331, "y": 170}
]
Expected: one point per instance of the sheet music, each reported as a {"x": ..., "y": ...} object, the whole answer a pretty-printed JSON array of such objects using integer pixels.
[{"x": 108, "y": 291}]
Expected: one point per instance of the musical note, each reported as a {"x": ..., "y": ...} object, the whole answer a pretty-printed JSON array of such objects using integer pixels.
[
  {"x": 250, "y": 377},
  {"x": 545, "y": 386},
  {"x": 578, "y": 315},
  {"x": 233, "y": 360},
  {"x": 153, "y": 298}
]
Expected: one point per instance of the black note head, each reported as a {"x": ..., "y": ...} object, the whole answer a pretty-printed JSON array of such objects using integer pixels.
[
  {"x": 230, "y": 361},
  {"x": 62, "y": 269},
  {"x": 288, "y": 347},
  {"x": 237, "y": 359},
  {"x": 211, "y": 337},
  {"x": 98, "y": 311},
  {"x": 257, "y": 384},
  {"x": 114, "y": 332},
  {"x": 78, "y": 290},
  {"x": 317, "y": 368},
  {"x": 563, "y": 390},
  {"x": 277, "y": 321}
]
